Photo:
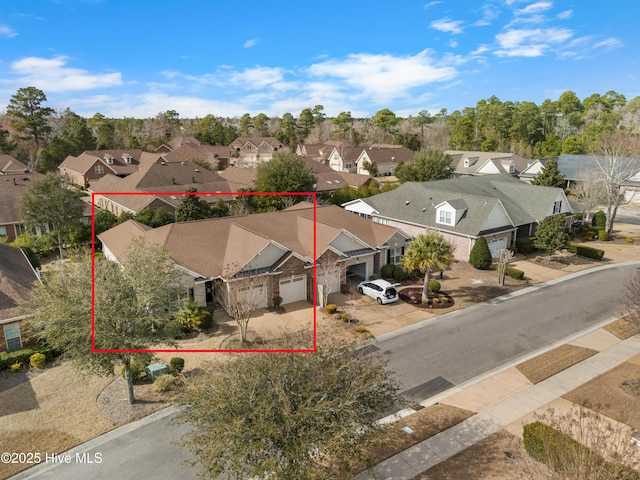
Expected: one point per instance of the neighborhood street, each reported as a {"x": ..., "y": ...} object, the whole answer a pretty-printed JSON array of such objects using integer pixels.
[{"x": 446, "y": 351}]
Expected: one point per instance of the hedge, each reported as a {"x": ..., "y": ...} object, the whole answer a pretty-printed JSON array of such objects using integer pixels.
[
  {"x": 547, "y": 445},
  {"x": 387, "y": 270},
  {"x": 514, "y": 273},
  {"x": 23, "y": 355},
  {"x": 400, "y": 274},
  {"x": 585, "y": 251}
]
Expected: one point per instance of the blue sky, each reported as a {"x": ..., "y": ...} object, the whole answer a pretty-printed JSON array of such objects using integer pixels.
[{"x": 137, "y": 58}]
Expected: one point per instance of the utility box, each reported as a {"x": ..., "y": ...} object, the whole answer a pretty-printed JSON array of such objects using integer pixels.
[{"x": 154, "y": 370}]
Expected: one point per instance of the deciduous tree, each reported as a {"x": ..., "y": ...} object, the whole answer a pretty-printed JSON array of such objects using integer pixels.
[
  {"x": 51, "y": 201},
  {"x": 426, "y": 165},
  {"x": 132, "y": 306},
  {"x": 288, "y": 415},
  {"x": 285, "y": 172}
]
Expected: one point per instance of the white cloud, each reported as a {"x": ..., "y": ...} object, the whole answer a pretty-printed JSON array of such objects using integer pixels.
[
  {"x": 431, "y": 4},
  {"x": 51, "y": 74},
  {"x": 565, "y": 15},
  {"x": 609, "y": 44},
  {"x": 489, "y": 13},
  {"x": 453, "y": 44},
  {"x": 250, "y": 43},
  {"x": 447, "y": 25},
  {"x": 256, "y": 78},
  {"x": 535, "y": 8},
  {"x": 7, "y": 31},
  {"x": 530, "y": 42},
  {"x": 384, "y": 77}
]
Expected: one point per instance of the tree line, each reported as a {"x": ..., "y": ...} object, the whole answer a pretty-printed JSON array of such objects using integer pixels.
[{"x": 42, "y": 137}]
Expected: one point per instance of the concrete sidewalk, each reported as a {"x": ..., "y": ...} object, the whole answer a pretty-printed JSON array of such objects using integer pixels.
[{"x": 500, "y": 400}]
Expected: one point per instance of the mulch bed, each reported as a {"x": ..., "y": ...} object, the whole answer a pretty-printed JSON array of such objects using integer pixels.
[{"x": 413, "y": 296}]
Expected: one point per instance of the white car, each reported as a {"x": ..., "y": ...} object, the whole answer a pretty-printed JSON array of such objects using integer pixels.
[{"x": 380, "y": 290}]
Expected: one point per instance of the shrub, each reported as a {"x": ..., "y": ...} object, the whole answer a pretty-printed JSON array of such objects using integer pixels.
[
  {"x": 387, "y": 270},
  {"x": 400, "y": 274},
  {"x": 277, "y": 301},
  {"x": 173, "y": 329},
  {"x": 206, "y": 321},
  {"x": 628, "y": 240},
  {"x": 603, "y": 235},
  {"x": 258, "y": 340},
  {"x": 515, "y": 273},
  {"x": 331, "y": 308},
  {"x": 164, "y": 383},
  {"x": 344, "y": 317},
  {"x": 345, "y": 289},
  {"x": 599, "y": 219},
  {"x": 585, "y": 251},
  {"x": 15, "y": 367},
  {"x": 588, "y": 235},
  {"x": 176, "y": 364},
  {"x": 435, "y": 300},
  {"x": 434, "y": 286},
  {"x": 527, "y": 248},
  {"x": 480, "y": 256},
  {"x": 37, "y": 360},
  {"x": 578, "y": 215},
  {"x": 361, "y": 329},
  {"x": 22, "y": 356},
  {"x": 137, "y": 369}
]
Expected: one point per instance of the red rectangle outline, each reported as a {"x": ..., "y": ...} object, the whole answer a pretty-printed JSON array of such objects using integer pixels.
[{"x": 93, "y": 250}]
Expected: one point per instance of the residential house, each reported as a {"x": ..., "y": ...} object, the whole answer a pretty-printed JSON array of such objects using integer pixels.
[
  {"x": 14, "y": 179},
  {"x": 17, "y": 279},
  {"x": 252, "y": 150},
  {"x": 177, "y": 142},
  {"x": 318, "y": 152},
  {"x": 581, "y": 168},
  {"x": 269, "y": 254},
  {"x": 217, "y": 157},
  {"x": 466, "y": 163},
  {"x": 384, "y": 157},
  {"x": 343, "y": 159},
  {"x": 165, "y": 177},
  {"x": 91, "y": 165},
  {"x": 498, "y": 207}
]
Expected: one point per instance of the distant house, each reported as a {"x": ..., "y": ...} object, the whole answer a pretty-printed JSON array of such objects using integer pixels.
[
  {"x": 580, "y": 168},
  {"x": 14, "y": 179},
  {"x": 466, "y": 163},
  {"x": 498, "y": 207},
  {"x": 275, "y": 250},
  {"x": 17, "y": 279},
  {"x": 90, "y": 166},
  {"x": 252, "y": 150},
  {"x": 385, "y": 157},
  {"x": 163, "y": 177}
]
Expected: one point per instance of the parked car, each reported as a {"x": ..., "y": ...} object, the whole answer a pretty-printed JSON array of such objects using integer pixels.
[{"x": 380, "y": 290}]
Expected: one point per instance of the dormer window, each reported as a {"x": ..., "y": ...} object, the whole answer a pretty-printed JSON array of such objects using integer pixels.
[
  {"x": 446, "y": 217},
  {"x": 466, "y": 163},
  {"x": 127, "y": 158},
  {"x": 109, "y": 159},
  {"x": 512, "y": 168}
]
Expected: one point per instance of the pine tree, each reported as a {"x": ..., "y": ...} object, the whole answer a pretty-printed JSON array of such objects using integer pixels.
[
  {"x": 549, "y": 176},
  {"x": 480, "y": 255}
]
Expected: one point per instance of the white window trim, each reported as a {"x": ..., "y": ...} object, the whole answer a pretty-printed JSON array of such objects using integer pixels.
[
  {"x": 13, "y": 337},
  {"x": 442, "y": 217}
]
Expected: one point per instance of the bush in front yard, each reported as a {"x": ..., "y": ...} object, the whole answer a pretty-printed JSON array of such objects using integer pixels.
[
  {"x": 480, "y": 255},
  {"x": 585, "y": 251},
  {"x": 37, "y": 360},
  {"x": 434, "y": 286},
  {"x": 137, "y": 369},
  {"x": 603, "y": 235},
  {"x": 331, "y": 308},
  {"x": 400, "y": 274},
  {"x": 599, "y": 219},
  {"x": 515, "y": 273},
  {"x": 176, "y": 364},
  {"x": 387, "y": 270},
  {"x": 164, "y": 383}
]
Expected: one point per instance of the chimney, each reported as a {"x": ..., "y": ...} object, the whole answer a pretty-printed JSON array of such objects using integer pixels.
[
  {"x": 14, "y": 181},
  {"x": 173, "y": 180},
  {"x": 193, "y": 179}
]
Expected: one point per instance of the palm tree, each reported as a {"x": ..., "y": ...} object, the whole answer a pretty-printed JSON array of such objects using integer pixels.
[{"x": 427, "y": 252}]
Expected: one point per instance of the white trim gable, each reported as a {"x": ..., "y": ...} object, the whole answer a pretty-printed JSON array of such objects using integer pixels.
[
  {"x": 559, "y": 206},
  {"x": 265, "y": 257},
  {"x": 360, "y": 207},
  {"x": 488, "y": 168},
  {"x": 447, "y": 214},
  {"x": 346, "y": 242},
  {"x": 532, "y": 169},
  {"x": 498, "y": 217}
]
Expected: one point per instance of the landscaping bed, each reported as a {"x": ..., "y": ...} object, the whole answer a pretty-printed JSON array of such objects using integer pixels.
[
  {"x": 554, "y": 361},
  {"x": 413, "y": 296}
]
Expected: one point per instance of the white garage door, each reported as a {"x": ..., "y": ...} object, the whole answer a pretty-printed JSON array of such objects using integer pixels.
[
  {"x": 256, "y": 294},
  {"x": 293, "y": 289},
  {"x": 330, "y": 280},
  {"x": 497, "y": 244}
]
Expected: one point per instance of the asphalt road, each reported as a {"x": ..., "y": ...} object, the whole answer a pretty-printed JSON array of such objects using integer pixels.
[
  {"x": 466, "y": 343},
  {"x": 450, "y": 350}
]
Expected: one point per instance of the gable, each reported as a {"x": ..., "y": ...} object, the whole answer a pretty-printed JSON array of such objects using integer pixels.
[
  {"x": 488, "y": 168},
  {"x": 264, "y": 258},
  {"x": 346, "y": 242},
  {"x": 496, "y": 218}
]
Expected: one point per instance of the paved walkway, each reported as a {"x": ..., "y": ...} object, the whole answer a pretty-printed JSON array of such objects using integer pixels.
[{"x": 500, "y": 400}]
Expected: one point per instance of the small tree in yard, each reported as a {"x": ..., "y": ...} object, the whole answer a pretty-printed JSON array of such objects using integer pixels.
[
  {"x": 288, "y": 415},
  {"x": 240, "y": 299},
  {"x": 502, "y": 259},
  {"x": 426, "y": 253},
  {"x": 480, "y": 255},
  {"x": 552, "y": 234},
  {"x": 132, "y": 306}
]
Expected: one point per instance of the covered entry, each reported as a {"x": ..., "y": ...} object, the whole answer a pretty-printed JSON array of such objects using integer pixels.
[{"x": 293, "y": 289}]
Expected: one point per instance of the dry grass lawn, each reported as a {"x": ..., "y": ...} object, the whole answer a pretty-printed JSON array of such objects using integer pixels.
[
  {"x": 623, "y": 328},
  {"x": 604, "y": 394},
  {"x": 554, "y": 361}
]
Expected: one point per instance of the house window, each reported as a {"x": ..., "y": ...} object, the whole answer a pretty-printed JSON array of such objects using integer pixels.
[
  {"x": 557, "y": 207},
  {"x": 394, "y": 255},
  {"x": 12, "y": 337},
  {"x": 381, "y": 221},
  {"x": 110, "y": 160},
  {"x": 445, "y": 217},
  {"x": 99, "y": 169},
  {"x": 348, "y": 165},
  {"x": 3, "y": 231}
]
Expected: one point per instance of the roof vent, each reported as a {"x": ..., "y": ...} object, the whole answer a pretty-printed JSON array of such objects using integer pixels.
[
  {"x": 424, "y": 210},
  {"x": 197, "y": 171},
  {"x": 407, "y": 202},
  {"x": 184, "y": 164}
]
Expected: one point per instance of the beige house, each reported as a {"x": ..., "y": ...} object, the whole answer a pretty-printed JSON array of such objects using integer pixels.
[
  {"x": 253, "y": 150},
  {"x": 269, "y": 254},
  {"x": 384, "y": 157}
]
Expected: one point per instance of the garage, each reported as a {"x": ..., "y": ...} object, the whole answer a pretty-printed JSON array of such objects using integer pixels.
[
  {"x": 357, "y": 272},
  {"x": 293, "y": 289},
  {"x": 497, "y": 244},
  {"x": 256, "y": 294}
]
